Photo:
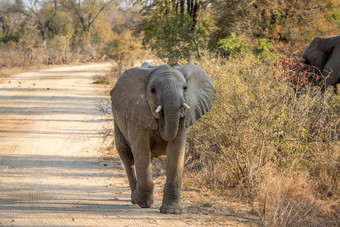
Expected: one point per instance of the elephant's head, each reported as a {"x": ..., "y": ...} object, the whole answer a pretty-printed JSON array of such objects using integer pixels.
[
  {"x": 323, "y": 54},
  {"x": 161, "y": 97}
]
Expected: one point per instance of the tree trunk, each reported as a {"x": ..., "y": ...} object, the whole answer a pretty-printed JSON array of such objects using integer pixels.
[
  {"x": 182, "y": 7},
  {"x": 195, "y": 14}
]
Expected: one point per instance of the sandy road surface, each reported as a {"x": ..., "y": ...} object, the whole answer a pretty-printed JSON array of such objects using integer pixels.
[{"x": 52, "y": 172}]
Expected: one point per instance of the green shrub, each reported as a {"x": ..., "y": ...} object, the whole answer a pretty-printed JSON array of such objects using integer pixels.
[
  {"x": 233, "y": 45},
  {"x": 265, "y": 50}
]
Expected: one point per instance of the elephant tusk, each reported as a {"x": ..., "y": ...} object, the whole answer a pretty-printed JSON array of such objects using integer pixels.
[
  {"x": 159, "y": 108},
  {"x": 186, "y": 106}
]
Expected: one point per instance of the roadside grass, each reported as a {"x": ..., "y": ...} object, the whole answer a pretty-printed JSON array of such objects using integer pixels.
[
  {"x": 106, "y": 78},
  {"x": 24, "y": 57},
  {"x": 263, "y": 143}
]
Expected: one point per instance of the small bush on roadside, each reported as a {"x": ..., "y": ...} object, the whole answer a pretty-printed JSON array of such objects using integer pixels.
[
  {"x": 106, "y": 78},
  {"x": 285, "y": 199}
]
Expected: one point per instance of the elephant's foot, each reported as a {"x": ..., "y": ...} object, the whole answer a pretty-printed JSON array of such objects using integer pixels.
[
  {"x": 133, "y": 201},
  {"x": 175, "y": 208},
  {"x": 144, "y": 200}
]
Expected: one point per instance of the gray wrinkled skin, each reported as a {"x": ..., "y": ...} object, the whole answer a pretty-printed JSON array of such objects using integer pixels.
[
  {"x": 142, "y": 134},
  {"x": 323, "y": 54}
]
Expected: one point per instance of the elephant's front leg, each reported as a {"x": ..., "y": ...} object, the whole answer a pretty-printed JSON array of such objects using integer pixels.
[
  {"x": 143, "y": 195},
  {"x": 126, "y": 156},
  {"x": 174, "y": 170}
]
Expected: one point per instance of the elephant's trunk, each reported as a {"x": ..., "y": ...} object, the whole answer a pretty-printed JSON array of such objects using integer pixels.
[{"x": 168, "y": 123}]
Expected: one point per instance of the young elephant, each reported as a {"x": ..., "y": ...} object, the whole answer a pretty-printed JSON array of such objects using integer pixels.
[{"x": 152, "y": 107}]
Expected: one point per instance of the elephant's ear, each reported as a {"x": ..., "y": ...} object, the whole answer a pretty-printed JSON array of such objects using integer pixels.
[
  {"x": 147, "y": 65},
  {"x": 128, "y": 97},
  {"x": 200, "y": 92}
]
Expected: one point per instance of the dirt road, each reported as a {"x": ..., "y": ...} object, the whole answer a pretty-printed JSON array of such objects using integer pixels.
[{"x": 52, "y": 172}]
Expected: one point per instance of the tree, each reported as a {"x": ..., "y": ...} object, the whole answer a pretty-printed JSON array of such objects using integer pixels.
[
  {"x": 124, "y": 50},
  {"x": 87, "y": 11},
  {"x": 43, "y": 11},
  {"x": 175, "y": 29},
  {"x": 13, "y": 18}
]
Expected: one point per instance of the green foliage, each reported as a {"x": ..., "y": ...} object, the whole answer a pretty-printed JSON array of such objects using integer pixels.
[
  {"x": 233, "y": 45},
  {"x": 29, "y": 37},
  {"x": 265, "y": 50},
  {"x": 62, "y": 25},
  {"x": 175, "y": 35},
  {"x": 169, "y": 36},
  {"x": 176, "y": 29}
]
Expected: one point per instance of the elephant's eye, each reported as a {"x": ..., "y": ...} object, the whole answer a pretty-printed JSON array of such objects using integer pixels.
[
  {"x": 153, "y": 91},
  {"x": 185, "y": 88}
]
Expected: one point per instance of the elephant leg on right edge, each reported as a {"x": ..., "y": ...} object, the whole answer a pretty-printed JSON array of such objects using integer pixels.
[
  {"x": 175, "y": 152},
  {"x": 126, "y": 156}
]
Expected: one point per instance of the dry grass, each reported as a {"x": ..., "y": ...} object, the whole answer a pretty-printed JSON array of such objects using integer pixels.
[
  {"x": 107, "y": 78},
  {"x": 258, "y": 122},
  {"x": 25, "y": 57},
  {"x": 285, "y": 200}
]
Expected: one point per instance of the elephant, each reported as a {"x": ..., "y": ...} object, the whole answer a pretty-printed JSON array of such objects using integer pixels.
[
  {"x": 323, "y": 56},
  {"x": 152, "y": 107}
]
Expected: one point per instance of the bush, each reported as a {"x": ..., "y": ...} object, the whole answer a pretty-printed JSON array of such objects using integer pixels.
[
  {"x": 233, "y": 45},
  {"x": 55, "y": 52},
  {"x": 106, "y": 78},
  {"x": 124, "y": 50},
  {"x": 265, "y": 50},
  {"x": 285, "y": 200},
  {"x": 257, "y": 121}
]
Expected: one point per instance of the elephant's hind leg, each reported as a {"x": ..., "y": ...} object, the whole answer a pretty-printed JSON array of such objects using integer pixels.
[{"x": 126, "y": 156}]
